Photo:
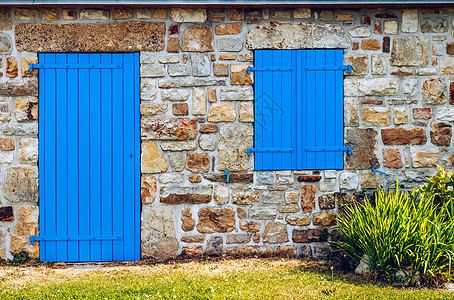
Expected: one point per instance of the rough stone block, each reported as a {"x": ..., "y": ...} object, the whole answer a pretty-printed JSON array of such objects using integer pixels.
[
  {"x": 21, "y": 184},
  {"x": 152, "y": 160},
  {"x": 233, "y": 143},
  {"x": 306, "y": 235},
  {"x": 186, "y": 195},
  {"x": 440, "y": 133},
  {"x": 403, "y": 136},
  {"x": 26, "y": 109},
  {"x": 188, "y": 15},
  {"x": 275, "y": 233},
  {"x": 27, "y": 225},
  {"x": 410, "y": 51},
  {"x": 215, "y": 220},
  {"x": 197, "y": 38},
  {"x": 392, "y": 158},
  {"x": 29, "y": 150},
  {"x": 424, "y": 157},
  {"x": 198, "y": 162},
  {"x": 169, "y": 129},
  {"x": 364, "y": 144},
  {"x": 308, "y": 197},
  {"x": 147, "y": 189}
]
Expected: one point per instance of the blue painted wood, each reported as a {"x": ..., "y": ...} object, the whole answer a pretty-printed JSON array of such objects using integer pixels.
[
  {"x": 299, "y": 105},
  {"x": 89, "y": 158}
]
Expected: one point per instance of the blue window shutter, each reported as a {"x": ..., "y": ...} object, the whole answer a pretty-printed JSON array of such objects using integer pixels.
[{"x": 299, "y": 109}]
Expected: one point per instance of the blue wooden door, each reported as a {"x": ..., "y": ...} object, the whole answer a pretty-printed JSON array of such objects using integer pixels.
[{"x": 89, "y": 167}]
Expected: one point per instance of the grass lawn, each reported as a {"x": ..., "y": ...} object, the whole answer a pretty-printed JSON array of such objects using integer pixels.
[{"x": 222, "y": 279}]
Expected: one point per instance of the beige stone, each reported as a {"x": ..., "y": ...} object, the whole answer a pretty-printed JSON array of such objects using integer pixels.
[
  {"x": 234, "y": 140},
  {"x": 29, "y": 150},
  {"x": 51, "y": 14},
  {"x": 239, "y": 75},
  {"x": 376, "y": 116},
  {"x": 197, "y": 38},
  {"x": 446, "y": 65},
  {"x": 5, "y": 18},
  {"x": 147, "y": 89},
  {"x": 410, "y": 20},
  {"x": 424, "y": 157},
  {"x": 199, "y": 102},
  {"x": 400, "y": 116},
  {"x": 26, "y": 14},
  {"x": 160, "y": 13},
  {"x": 26, "y": 109},
  {"x": 304, "y": 220},
  {"x": 369, "y": 180},
  {"x": 324, "y": 219},
  {"x": 94, "y": 14},
  {"x": 246, "y": 112},
  {"x": 379, "y": 64},
  {"x": 27, "y": 225},
  {"x": 152, "y": 160},
  {"x": 179, "y": 146},
  {"x": 291, "y": 197},
  {"x": 21, "y": 184},
  {"x": 245, "y": 197},
  {"x": 224, "y": 112},
  {"x": 188, "y": 15},
  {"x": 5, "y": 112},
  {"x": 215, "y": 220},
  {"x": 198, "y": 162},
  {"x": 371, "y": 87},
  {"x": 25, "y": 66},
  {"x": 392, "y": 158},
  {"x": 351, "y": 115},
  {"x": 143, "y": 13},
  {"x": 302, "y": 13},
  {"x": 187, "y": 222},
  {"x": 359, "y": 63},
  {"x": 7, "y": 144},
  {"x": 250, "y": 226},
  {"x": 148, "y": 186},
  {"x": 391, "y": 27},
  {"x": 11, "y": 67},
  {"x": 433, "y": 91},
  {"x": 151, "y": 109},
  {"x": 221, "y": 194},
  {"x": 308, "y": 197},
  {"x": 69, "y": 14},
  {"x": 275, "y": 233},
  {"x": 360, "y": 31},
  {"x": 168, "y": 129},
  {"x": 410, "y": 51},
  {"x": 158, "y": 239}
]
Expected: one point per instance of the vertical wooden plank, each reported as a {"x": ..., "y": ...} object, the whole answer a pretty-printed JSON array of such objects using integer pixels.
[
  {"x": 106, "y": 156},
  {"x": 95, "y": 156},
  {"x": 61, "y": 82},
  {"x": 320, "y": 109},
  {"x": 137, "y": 156},
  {"x": 267, "y": 94},
  {"x": 118, "y": 157},
  {"x": 300, "y": 107},
  {"x": 42, "y": 158},
  {"x": 276, "y": 113},
  {"x": 73, "y": 157},
  {"x": 287, "y": 110},
  {"x": 50, "y": 155},
  {"x": 330, "y": 115},
  {"x": 258, "y": 109},
  {"x": 84, "y": 158},
  {"x": 310, "y": 109},
  {"x": 128, "y": 129},
  {"x": 339, "y": 108}
]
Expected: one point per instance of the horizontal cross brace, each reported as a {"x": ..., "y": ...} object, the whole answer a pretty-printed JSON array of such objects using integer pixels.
[
  {"x": 249, "y": 69},
  {"x": 75, "y": 238},
  {"x": 329, "y": 149},
  {"x": 73, "y": 66},
  {"x": 328, "y": 68},
  {"x": 249, "y": 150}
]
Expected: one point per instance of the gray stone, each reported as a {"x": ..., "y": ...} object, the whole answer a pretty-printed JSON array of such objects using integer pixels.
[
  {"x": 275, "y": 233},
  {"x": 262, "y": 212},
  {"x": 272, "y": 197},
  {"x": 175, "y": 94},
  {"x": 190, "y": 82},
  {"x": 410, "y": 20},
  {"x": 177, "y": 161},
  {"x": 207, "y": 142},
  {"x": 147, "y": 57},
  {"x": 360, "y": 31},
  {"x": 151, "y": 71},
  {"x": 434, "y": 25},
  {"x": 363, "y": 267},
  {"x": 20, "y": 129},
  {"x": 410, "y": 86},
  {"x": 234, "y": 140},
  {"x": 371, "y": 87},
  {"x": 201, "y": 65},
  {"x": 171, "y": 178},
  {"x": 264, "y": 177},
  {"x": 379, "y": 64},
  {"x": 229, "y": 44},
  {"x": 21, "y": 184},
  {"x": 240, "y": 94},
  {"x": 214, "y": 246},
  {"x": 5, "y": 44},
  {"x": 301, "y": 35},
  {"x": 179, "y": 146},
  {"x": 158, "y": 239},
  {"x": 349, "y": 180},
  {"x": 445, "y": 114},
  {"x": 221, "y": 194},
  {"x": 238, "y": 238},
  {"x": 179, "y": 70}
]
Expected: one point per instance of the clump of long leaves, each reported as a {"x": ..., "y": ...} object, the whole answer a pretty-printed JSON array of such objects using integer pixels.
[{"x": 401, "y": 231}]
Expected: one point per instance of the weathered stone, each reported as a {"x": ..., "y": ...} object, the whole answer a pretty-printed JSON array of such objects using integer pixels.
[
  {"x": 177, "y": 161},
  {"x": 245, "y": 198},
  {"x": 51, "y": 15},
  {"x": 160, "y": 13},
  {"x": 364, "y": 144},
  {"x": 221, "y": 194},
  {"x": 94, "y": 14},
  {"x": 345, "y": 17},
  {"x": 326, "y": 201},
  {"x": 215, "y": 220},
  {"x": 239, "y": 75},
  {"x": 190, "y": 82},
  {"x": 195, "y": 178},
  {"x": 232, "y": 44},
  {"x": 272, "y": 197},
  {"x": 186, "y": 195},
  {"x": 27, "y": 225},
  {"x": 21, "y": 184},
  {"x": 6, "y": 214},
  {"x": 187, "y": 222},
  {"x": 309, "y": 178},
  {"x": 264, "y": 177},
  {"x": 241, "y": 213},
  {"x": 306, "y": 235},
  {"x": 379, "y": 64},
  {"x": 434, "y": 25},
  {"x": 221, "y": 69},
  {"x": 25, "y": 66},
  {"x": 446, "y": 65},
  {"x": 5, "y": 44},
  {"x": 169, "y": 59},
  {"x": 237, "y": 238},
  {"x": 424, "y": 157},
  {"x": 422, "y": 113},
  {"x": 197, "y": 38},
  {"x": 217, "y": 19},
  {"x": 100, "y": 37},
  {"x": 240, "y": 94},
  {"x": 214, "y": 246},
  {"x": 173, "y": 45},
  {"x": 401, "y": 72},
  {"x": 234, "y": 140},
  {"x": 5, "y": 112},
  {"x": 392, "y": 158},
  {"x": 446, "y": 114},
  {"x": 326, "y": 15},
  {"x": 400, "y": 116},
  {"x": 348, "y": 181},
  {"x": 409, "y": 20},
  {"x": 18, "y": 88},
  {"x": 208, "y": 128},
  {"x": 188, "y": 15},
  {"x": 11, "y": 67},
  {"x": 351, "y": 115},
  {"x": 151, "y": 109},
  {"x": 324, "y": 219},
  {"x": 360, "y": 31},
  {"x": 158, "y": 239},
  {"x": 69, "y": 14},
  {"x": 440, "y": 134},
  {"x": 20, "y": 129},
  {"x": 391, "y": 27},
  {"x": 193, "y": 239},
  {"x": 403, "y": 136},
  {"x": 195, "y": 251},
  {"x": 304, "y": 220},
  {"x": 275, "y": 233},
  {"x": 199, "y": 102},
  {"x": 151, "y": 71},
  {"x": 246, "y": 112},
  {"x": 289, "y": 208},
  {"x": 281, "y": 14},
  {"x": 262, "y": 212},
  {"x": 29, "y": 150},
  {"x": 371, "y": 87},
  {"x": 26, "y": 14},
  {"x": 376, "y": 116},
  {"x": 369, "y": 180},
  {"x": 291, "y": 197},
  {"x": 152, "y": 160},
  {"x": 197, "y": 162},
  {"x": 201, "y": 65},
  {"x": 250, "y": 226},
  {"x": 233, "y": 178},
  {"x": 231, "y": 28},
  {"x": 246, "y": 57},
  {"x": 5, "y": 18},
  {"x": 308, "y": 197},
  {"x": 410, "y": 51},
  {"x": 370, "y": 44},
  {"x": 175, "y": 94},
  {"x": 26, "y": 109},
  {"x": 147, "y": 189},
  {"x": 171, "y": 178},
  {"x": 433, "y": 91},
  {"x": 207, "y": 142},
  {"x": 7, "y": 144},
  {"x": 169, "y": 129},
  {"x": 179, "y": 146},
  {"x": 122, "y": 13},
  {"x": 147, "y": 89},
  {"x": 301, "y": 35}
]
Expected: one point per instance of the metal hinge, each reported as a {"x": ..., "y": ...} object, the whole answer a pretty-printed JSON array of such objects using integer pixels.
[
  {"x": 329, "y": 149},
  {"x": 75, "y": 238},
  {"x": 327, "y": 68},
  {"x": 249, "y": 150},
  {"x": 73, "y": 66},
  {"x": 249, "y": 69}
]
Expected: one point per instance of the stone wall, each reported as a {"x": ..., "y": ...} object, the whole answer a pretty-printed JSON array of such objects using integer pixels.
[{"x": 197, "y": 118}]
